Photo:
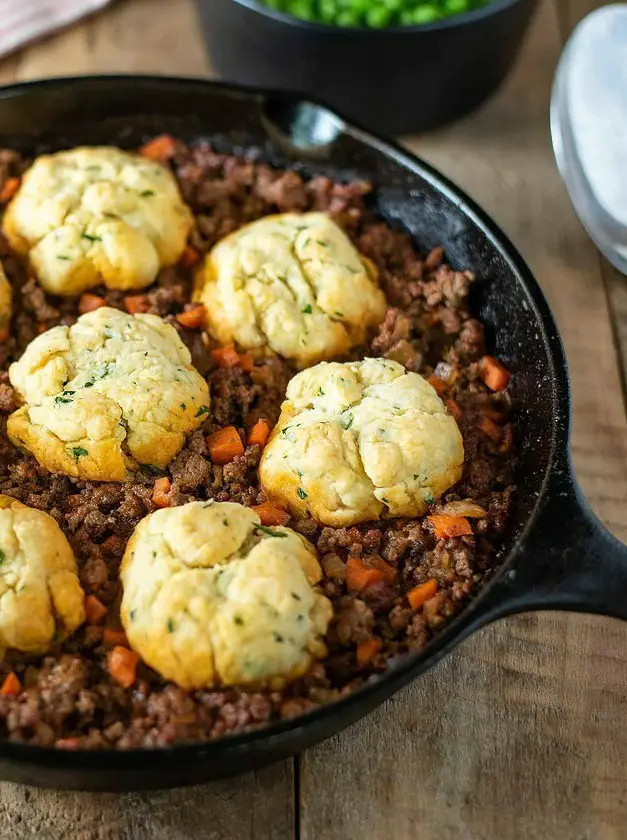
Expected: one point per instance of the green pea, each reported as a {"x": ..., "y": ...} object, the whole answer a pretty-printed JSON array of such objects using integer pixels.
[
  {"x": 455, "y": 7},
  {"x": 377, "y": 17},
  {"x": 346, "y": 18},
  {"x": 425, "y": 14},
  {"x": 302, "y": 9},
  {"x": 360, "y": 7},
  {"x": 393, "y": 5},
  {"x": 327, "y": 10}
]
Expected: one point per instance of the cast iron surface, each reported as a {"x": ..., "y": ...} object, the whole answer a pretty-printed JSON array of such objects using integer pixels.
[
  {"x": 557, "y": 554},
  {"x": 396, "y": 80}
]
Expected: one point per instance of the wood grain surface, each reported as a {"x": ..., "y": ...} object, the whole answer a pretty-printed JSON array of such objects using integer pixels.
[{"x": 519, "y": 734}]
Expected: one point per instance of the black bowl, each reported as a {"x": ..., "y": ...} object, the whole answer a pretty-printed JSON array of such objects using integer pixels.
[{"x": 396, "y": 80}]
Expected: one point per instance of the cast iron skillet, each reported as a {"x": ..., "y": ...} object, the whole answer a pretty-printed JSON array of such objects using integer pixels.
[{"x": 557, "y": 554}]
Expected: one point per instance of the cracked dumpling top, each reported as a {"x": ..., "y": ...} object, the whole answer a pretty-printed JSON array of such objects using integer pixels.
[
  {"x": 41, "y": 599},
  {"x": 361, "y": 440},
  {"x": 293, "y": 283},
  {"x": 6, "y": 305},
  {"x": 211, "y": 597},
  {"x": 106, "y": 394},
  {"x": 96, "y": 215}
]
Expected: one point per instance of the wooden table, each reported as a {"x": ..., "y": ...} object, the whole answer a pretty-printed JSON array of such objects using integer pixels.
[{"x": 520, "y": 735}]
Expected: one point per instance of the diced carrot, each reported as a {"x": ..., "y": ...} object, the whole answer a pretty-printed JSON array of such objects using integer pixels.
[
  {"x": 225, "y": 356},
  {"x": 259, "y": 434},
  {"x": 159, "y": 148},
  {"x": 453, "y": 409},
  {"x": 193, "y": 318},
  {"x": 388, "y": 571},
  {"x": 445, "y": 525},
  {"x": 359, "y": 575},
  {"x": 189, "y": 257},
  {"x": 9, "y": 188},
  {"x": 136, "y": 304},
  {"x": 95, "y": 610},
  {"x": 88, "y": 302},
  {"x": 11, "y": 685},
  {"x": 439, "y": 384},
  {"x": 4, "y": 333},
  {"x": 122, "y": 665},
  {"x": 161, "y": 492},
  {"x": 490, "y": 429},
  {"x": 246, "y": 362},
  {"x": 41, "y": 329},
  {"x": 114, "y": 637},
  {"x": 422, "y": 593},
  {"x": 494, "y": 374},
  {"x": 225, "y": 445},
  {"x": 67, "y": 743},
  {"x": 367, "y": 650},
  {"x": 271, "y": 513}
]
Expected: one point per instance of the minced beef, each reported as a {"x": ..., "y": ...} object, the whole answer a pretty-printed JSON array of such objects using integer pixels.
[{"x": 68, "y": 698}]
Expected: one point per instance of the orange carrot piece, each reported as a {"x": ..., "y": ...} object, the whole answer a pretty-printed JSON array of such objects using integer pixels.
[
  {"x": 111, "y": 544},
  {"x": 89, "y": 302},
  {"x": 11, "y": 685},
  {"x": 189, "y": 257},
  {"x": 445, "y": 525},
  {"x": 4, "y": 333},
  {"x": 225, "y": 356},
  {"x": 95, "y": 610},
  {"x": 490, "y": 429},
  {"x": 225, "y": 445},
  {"x": 67, "y": 743},
  {"x": 136, "y": 304},
  {"x": 259, "y": 434},
  {"x": 114, "y": 637},
  {"x": 422, "y": 593},
  {"x": 454, "y": 410},
  {"x": 494, "y": 374},
  {"x": 160, "y": 148},
  {"x": 122, "y": 665},
  {"x": 359, "y": 575},
  {"x": 439, "y": 384},
  {"x": 246, "y": 362},
  {"x": 193, "y": 318},
  {"x": 366, "y": 651},
  {"x": 161, "y": 492},
  {"x": 9, "y": 188},
  {"x": 388, "y": 571},
  {"x": 271, "y": 514}
]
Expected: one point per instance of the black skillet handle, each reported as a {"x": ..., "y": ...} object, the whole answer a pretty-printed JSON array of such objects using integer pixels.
[{"x": 569, "y": 561}]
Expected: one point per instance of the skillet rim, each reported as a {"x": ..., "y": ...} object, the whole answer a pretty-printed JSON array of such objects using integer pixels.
[{"x": 470, "y": 619}]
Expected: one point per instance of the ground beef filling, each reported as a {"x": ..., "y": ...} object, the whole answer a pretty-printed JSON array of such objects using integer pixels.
[{"x": 69, "y": 700}]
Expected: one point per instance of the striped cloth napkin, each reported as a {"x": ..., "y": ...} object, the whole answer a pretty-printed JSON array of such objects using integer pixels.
[{"x": 22, "y": 21}]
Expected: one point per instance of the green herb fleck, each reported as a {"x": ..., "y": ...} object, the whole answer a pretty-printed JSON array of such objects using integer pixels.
[
  {"x": 77, "y": 451},
  {"x": 237, "y": 619},
  {"x": 64, "y": 257},
  {"x": 296, "y": 596},
  {"x": 416, "y": 476},
  {"x": 278, "y": 637},
  {"x": 301, "y": 493},
  {"x": 88, "y": 384},
  {"x": 183, "y": 406},
  {"x": 132, "y": 615},
  {"x": 204, "y": 409},
  {"x": 265, "y": 530},
  {"x": 322, "y": 242},
  {"x": 339, "y": 314},
  {"x": 63, "y": 399},
  {"x": 170, "y": 626},
  {"x": 347, "y": 421},
  {"x": 3, "y": 557},
  {"x": 147, "y": 193},
  {"x": 225, "y": 522},
  {"x": 320, "y": 392},
  {"x": 91, "y": 238},
  {"x": 307, "y": 309}
]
